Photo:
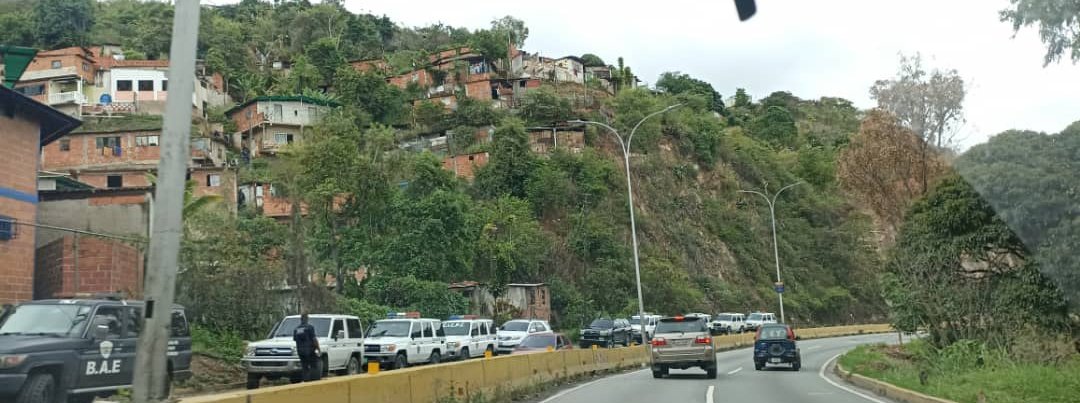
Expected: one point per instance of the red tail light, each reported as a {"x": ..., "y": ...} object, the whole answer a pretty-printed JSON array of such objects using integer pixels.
[
  {"x": 659, "y": 341},
  {"x": 703, "y": 340}
]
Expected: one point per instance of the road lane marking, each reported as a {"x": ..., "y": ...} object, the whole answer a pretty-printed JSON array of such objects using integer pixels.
[
  {"x": 708, "y": 394},
  {"x": 565, "y": 392},
  {"x": 814, "y": 347},
  {"x": 821, "y": 373},
  {"x": 732, "y": 372}
]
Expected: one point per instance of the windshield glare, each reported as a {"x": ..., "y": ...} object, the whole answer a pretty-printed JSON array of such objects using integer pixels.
[
  {"x": 774, "y": 333},
  {"x": 602, "y": 324},
  {"x": 515, "y": 326},
  {"x": 685, "y": 325},
  {"x": 754, "y": 316},
  {"x": 539, "y": 340},
  {"x": 390, "y": 328},
  {"x": 288, "y": 325},
  {"x": 60, "y": 320},
  {"x": 723, "y": 317},
  {"x": 456, "y": 328}
]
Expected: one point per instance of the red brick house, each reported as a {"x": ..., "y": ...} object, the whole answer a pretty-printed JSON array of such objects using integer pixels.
[
  {"x": 26, "y": 126},
  {"x": 465, "y": 165}
]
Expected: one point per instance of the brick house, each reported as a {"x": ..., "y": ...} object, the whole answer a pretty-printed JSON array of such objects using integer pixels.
[
  {"x": 26, "y": 126},
  {"x": 268, "y": 123},
  {"x": 518, "y": 301},
  {"x": 465, "y": 165},
  {"x": 60, "y": 78},
  {"x": 545, "y": 140}
]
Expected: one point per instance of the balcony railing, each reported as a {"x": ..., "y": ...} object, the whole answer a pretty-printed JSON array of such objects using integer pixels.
[{"x": 67, "y": 97}]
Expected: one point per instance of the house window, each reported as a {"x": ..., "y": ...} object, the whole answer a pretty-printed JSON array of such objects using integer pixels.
[
  {"x": 123, "y": 85},
  {"x": 165, "y": 86},
  {"x": 107, "y": 142},
  {"x": 213, "y": 180},
  {"x": 114, "y": 181},
  {"x": 277, "y": 111},
  {"x": 146, "y": 141},
  {"x": 31, "y": 90},
  {"x": 247, "y": 113},
  {"x": 55, "y": 64},
  {"x": 283, "y": 138},
  {"x": 471, "y": 157},
  {"x": 85, "y": 66},
  {"x": 146, "y": 85},
  {"x": 65, "y": 145}
]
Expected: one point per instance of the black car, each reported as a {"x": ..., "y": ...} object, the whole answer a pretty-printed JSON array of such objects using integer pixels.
[
  {"x": 774, "y": 343},
  {"x": 606, "y": 332},
  {"x": 74, "y": 350}
]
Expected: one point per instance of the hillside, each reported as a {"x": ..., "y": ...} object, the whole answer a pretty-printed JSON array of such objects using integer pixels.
[{"x": 560, "y": 219}]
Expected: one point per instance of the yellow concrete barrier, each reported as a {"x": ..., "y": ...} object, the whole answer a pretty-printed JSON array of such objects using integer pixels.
[{"x": 490, "y": 376}]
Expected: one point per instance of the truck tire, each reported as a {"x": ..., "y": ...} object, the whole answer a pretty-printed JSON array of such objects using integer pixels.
[
  {"x": 351, "y": 368},
  {"x": 400, "y": 361},
  {"x": 253, "y": 381},
  {"x": 81, "y": 399},
  {"x": 39, "y": 388},
  {"x": 710, "y": 371},
  {"x": 464, "y": 354},
  {"x": 435, "y": 357}
]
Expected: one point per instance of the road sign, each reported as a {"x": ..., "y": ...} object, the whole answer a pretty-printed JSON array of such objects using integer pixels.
[{"x": 779, "y": 287}]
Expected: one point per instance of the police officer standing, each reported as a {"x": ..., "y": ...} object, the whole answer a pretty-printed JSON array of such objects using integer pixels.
[{"x": 307, "y": 347}]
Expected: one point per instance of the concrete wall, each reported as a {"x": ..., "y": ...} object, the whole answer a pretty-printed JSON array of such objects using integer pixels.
[
  {"x": 124, "y": 215},
  {"x": 135, "y": 75},
  {"x": 18, "y": 201}
]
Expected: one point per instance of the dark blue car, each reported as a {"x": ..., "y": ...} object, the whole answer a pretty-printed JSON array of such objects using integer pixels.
[{"x": 775, "y": 344}]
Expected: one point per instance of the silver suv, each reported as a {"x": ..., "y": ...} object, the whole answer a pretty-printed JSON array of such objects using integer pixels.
[{"x": 683, "y": 342}]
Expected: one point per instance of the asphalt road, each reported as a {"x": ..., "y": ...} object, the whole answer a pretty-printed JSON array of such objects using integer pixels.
[{"x": 737, "y": 380}]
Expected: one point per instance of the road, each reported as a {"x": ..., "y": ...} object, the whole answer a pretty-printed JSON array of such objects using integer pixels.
[{"x": 737, "y": 380}]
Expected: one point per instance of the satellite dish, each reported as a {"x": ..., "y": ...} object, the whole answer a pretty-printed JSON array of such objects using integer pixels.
[{"x": 746, "y": 8}]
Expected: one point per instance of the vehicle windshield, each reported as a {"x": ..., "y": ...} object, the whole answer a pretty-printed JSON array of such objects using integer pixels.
[
  {"x": 635, "y": 321},
  {"x": 774, "y": 333},
  {"x": 681, "y": 326},
  {"x": 515, "y": 326},
  {"x": 288, "y": 325},
  {"x": 47, "y": 320},
  {"x": 724, "y": 317},
  {"x": 539, "y": 340},
  {"x": 456, "y": 328},
  {"x": 390, "y": 328},
  {"x": 602, "y": 324},
  {"x": 755, "y": 316}
]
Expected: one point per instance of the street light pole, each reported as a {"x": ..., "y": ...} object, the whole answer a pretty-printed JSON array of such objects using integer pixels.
[
  {"x": 625, "y": 147},
  {"x": 776, "y": 248}
]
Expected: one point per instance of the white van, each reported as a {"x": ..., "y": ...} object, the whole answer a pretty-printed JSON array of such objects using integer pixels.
[
  {"x": 402, "y": 340},
  {"x": 468, "y": 338}
]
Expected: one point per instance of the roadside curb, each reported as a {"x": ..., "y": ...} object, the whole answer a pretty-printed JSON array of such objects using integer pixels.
[{"x": 884, "y": 389}]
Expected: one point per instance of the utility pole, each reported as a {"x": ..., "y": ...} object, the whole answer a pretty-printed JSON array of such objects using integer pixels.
[
  {"x": 625, "y": 147},
  {"x": 151, "y": 357},
  {"x": 776, "y": 249}
]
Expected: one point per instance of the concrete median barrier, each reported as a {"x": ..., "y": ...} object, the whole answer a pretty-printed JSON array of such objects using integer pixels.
[{"x": 488, "y": 376}]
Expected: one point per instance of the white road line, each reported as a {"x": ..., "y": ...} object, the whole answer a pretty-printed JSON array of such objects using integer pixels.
[
  {"x": 565, "y": 392},
  {"x": 708, "y": 394},
  {"x": 732, "y": 372},
  {"x": 821, "y": 373},
  {"x": 814, "y": 347}
]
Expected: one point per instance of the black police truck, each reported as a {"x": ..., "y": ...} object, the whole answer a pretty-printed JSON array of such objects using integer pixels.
[{"x": 72, "y": 350}]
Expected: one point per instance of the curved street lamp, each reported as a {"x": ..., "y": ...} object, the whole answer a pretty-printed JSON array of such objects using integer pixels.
[{"x": 776, "y": 249}]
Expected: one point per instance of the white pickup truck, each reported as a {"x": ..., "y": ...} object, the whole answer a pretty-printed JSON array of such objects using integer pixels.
[{"x": 341, "y": 339}]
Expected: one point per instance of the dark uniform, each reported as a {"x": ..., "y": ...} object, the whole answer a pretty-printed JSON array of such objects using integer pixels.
[{"x": 306, "y": 343}]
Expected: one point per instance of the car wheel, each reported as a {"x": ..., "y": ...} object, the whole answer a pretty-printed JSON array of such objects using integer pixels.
[
  {"x": 324, "y": 366},
  {"x": 758, "y": 366},
  {"x": 400, "y": 361},
  {"x": 584, "y": 345},
  {"x": 610, "y": 343},
  {"x": 658, "y": 372},
  {"x": 492, "y": 350},
  {"x": 296, "y": 378},
  {"x": 39, "y": 388},
  {"x": 81, "y": 399},
  {"x": 353, "y": 367},
  {"x": 464, "y": 354},
  {"x": 710, "y": 371},
  {"x": 796, "y": 365},
  {"x": 626, "y": 340},
  {"x": 253, "y": 381},
  {"x": 435, "y": 357}
]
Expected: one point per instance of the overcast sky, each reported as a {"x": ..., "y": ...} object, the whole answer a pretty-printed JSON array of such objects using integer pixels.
[{"x": 811, "y": 48}]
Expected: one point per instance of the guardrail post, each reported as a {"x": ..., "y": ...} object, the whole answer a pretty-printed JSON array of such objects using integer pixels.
[{"x": 372, "y": 368}]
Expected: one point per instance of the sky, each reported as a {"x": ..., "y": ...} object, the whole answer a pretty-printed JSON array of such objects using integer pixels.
[{"x": 809, "y": 48}]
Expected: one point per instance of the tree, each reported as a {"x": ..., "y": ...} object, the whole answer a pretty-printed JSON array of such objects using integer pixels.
[
  {"x": 430, "y": 115},
  {"x": 776, "y": 126},
  {"x": 18, "y": 28},
  {"x": 409, "y": 293},
  {"x": 1058, "y": 21},
  {"x": 961, "y": 273},
  {"x": 62, "y": 23},
  {"x": 742, "y": 100},
  {"x": 325, "y": 54},
  {"x": 674, "y": 82},
  {"x": 370, "y": 93},
  {"x": 882, "y": 167},
  {"x": 490, "y": 43},
  {"x": 510, "y": 165},
  {"x": 591, "y": 60},
  {"x": 475, "y": 113},
  {"x": 544, "y": 107},
  {"x": 929, "y": 103},
  {"x": 510, "y": 246},
  {"x": 516, "y": 28}
]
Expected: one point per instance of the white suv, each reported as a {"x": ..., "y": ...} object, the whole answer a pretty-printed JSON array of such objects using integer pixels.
[
  {"x": 729, "y": 322},
  {"x": 511, "y": 333},
  {"x": 341, "y": 339},
  {"x": 650, "y": 327},
  {"x": 400, "y": 342},
  {"x": 468, "y": 338},
  {"x": 756, "y": 319}
]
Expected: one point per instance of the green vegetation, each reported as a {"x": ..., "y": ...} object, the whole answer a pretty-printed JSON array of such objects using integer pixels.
[
  {"x": 120, "y": 123},
  {"x": 965, "y": 371}
]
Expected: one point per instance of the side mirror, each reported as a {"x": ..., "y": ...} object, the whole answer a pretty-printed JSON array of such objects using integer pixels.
[
  {"x": 340, "y": 335},
  {"x": 101, "y": 332}
]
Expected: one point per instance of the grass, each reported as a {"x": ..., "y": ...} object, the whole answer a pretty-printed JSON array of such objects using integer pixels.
[
  {"x": 999, "y": 378},
  {"x": 120, "y": 123}
]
